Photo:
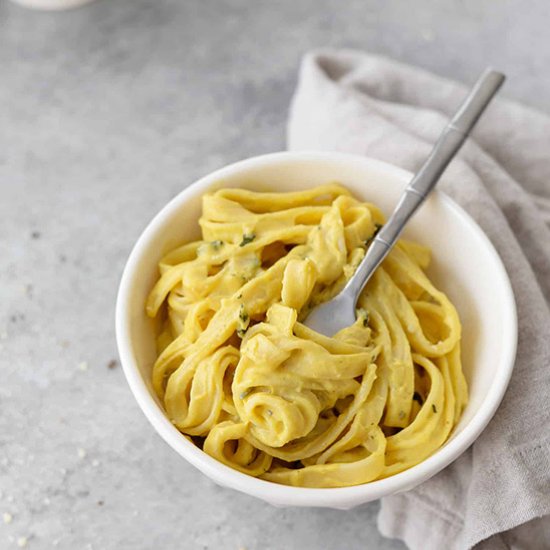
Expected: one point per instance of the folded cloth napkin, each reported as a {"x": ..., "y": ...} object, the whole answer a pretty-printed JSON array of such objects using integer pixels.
[{"x": 348, "y": 101}]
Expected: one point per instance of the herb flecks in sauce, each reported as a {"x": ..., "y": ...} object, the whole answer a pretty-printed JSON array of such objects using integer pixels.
[
  {"x": 247, "y": 238},
  {"x": 377, "y": 227},
  {"x": 243, "y": 315},
  {"x": 363, "y": 316}
]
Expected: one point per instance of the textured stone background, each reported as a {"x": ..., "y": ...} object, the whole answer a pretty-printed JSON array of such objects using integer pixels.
[{"x": 105, "y": 113}]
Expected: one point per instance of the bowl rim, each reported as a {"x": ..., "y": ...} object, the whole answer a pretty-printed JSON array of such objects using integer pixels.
[{"x": 284, "y": 495}]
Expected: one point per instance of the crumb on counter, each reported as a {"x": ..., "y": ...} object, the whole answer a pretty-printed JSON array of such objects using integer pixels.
[
  {"x": 22, "y": 542},
  {"x": 7, "y": 517},
  {"x": 112, "y": 364},
  {"x": 27, "y": 289},
  {"x": 83, "y": 366},
  {"x": 81, "y": 453}
]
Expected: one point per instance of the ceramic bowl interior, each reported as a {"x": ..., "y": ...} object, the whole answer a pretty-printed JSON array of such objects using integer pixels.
[{"x": 465, "y": 266}]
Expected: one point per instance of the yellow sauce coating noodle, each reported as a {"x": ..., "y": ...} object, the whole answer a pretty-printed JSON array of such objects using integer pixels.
[{"x": 262, "y": 393}]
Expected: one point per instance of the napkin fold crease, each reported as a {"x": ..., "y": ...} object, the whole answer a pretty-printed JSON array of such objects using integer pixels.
[{"x": 497, "y": 494}]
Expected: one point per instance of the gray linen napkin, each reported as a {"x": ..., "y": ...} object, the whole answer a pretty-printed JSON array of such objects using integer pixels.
[{"x": 348, "y": 101}]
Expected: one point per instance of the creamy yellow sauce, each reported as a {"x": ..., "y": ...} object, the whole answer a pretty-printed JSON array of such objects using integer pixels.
[{"x": 256, "y": 389}]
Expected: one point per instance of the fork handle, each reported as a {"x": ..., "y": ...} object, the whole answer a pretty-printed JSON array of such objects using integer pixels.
[{"x": 446, "y": 147}]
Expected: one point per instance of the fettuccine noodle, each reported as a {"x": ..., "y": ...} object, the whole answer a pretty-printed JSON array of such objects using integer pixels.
[{"x": 241, "y": 376}]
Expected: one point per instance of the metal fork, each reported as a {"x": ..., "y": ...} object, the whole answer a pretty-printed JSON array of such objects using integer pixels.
[{"x": 339, "y": 312}]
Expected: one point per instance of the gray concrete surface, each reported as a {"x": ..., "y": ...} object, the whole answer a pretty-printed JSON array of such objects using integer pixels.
[{"x": 105, "y": 113}]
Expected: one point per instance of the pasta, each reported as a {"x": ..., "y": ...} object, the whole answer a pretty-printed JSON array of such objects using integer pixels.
[{"x": 242, "y": 377}]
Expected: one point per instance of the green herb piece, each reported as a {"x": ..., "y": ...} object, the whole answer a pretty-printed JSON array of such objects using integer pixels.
[
  {"x": 377, "y": 227},
  {"x": 239, "y": 296},
  {"x": 247, "y": 239},
  {"x": 434, "y": 408},
  {"x": 418, "y": 398},
  {"x": 241, "y": 332},
  {"x": 269, "y": 413},
  {"x": 216, "y": 245},
  {"x": 243, "y": 315},
  {"x": 362, "y": 314}
]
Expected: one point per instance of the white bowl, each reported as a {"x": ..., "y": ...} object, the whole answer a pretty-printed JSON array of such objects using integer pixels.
[{"x": 465, "y": 266}]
